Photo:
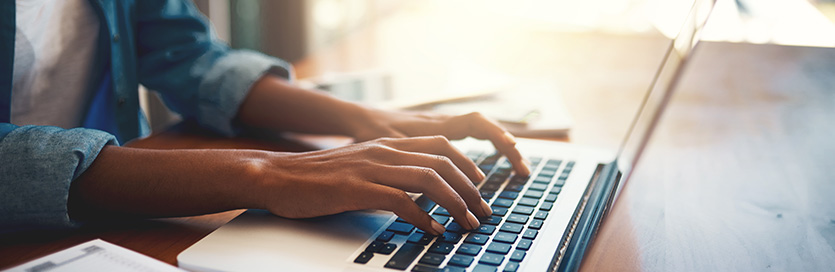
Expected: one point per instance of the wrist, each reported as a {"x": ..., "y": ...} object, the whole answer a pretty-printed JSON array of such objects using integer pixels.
[
  {"x": 359, "y": 120},
  {"x": 251, "y": 173}
]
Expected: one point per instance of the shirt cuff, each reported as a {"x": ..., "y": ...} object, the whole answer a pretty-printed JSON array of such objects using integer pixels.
[
  {"x": 227, "y": 83},
  {"x": 37, "y": 167}
]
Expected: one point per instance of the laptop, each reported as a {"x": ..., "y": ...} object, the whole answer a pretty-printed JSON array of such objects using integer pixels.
[{"x": 541, "y": 222}]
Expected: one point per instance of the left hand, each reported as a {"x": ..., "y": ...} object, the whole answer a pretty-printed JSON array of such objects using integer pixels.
[{"x": 399, "y": 124}]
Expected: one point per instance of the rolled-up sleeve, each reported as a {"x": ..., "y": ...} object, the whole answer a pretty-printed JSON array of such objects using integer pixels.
[
  {"x": 196, "y": 74},
  {"x": 37, "y": 166}
]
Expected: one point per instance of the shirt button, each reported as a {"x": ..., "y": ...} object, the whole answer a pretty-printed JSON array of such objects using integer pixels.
[
  {"x": 120, "y": 102},
  {"x": 115, "y": 37}
]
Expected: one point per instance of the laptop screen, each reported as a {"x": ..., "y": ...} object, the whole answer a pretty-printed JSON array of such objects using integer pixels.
[{"x": 661, "y": 90}]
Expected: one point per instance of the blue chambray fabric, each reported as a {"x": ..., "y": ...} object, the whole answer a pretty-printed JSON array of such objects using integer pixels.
[{"x": 166, "y": 45}]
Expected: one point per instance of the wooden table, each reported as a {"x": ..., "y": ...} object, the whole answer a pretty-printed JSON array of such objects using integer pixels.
[{"x": 737, "y": 176}]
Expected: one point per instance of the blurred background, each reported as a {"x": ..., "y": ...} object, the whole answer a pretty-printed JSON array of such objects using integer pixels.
[
  {"x": 291, "y": 29},
  {"x": 565, "y": 58}
]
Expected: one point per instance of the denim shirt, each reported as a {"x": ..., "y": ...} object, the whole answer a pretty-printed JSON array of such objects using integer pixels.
[{"x": 167, "y": 46}]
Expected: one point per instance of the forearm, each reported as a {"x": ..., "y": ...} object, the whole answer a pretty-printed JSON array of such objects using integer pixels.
[
  {"x": 129, "y": 182},
  {"x": 277, "y": 104}
]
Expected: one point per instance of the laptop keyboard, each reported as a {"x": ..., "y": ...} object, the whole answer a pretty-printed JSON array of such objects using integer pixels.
[{"x": 520, "y": 209}]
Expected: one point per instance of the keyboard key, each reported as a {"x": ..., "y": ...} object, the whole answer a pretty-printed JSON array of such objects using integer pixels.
[
  {"x": 405, "y": 256},
  {"x": 533, "y": 194},
  {"x": 492, "y": 220},
  {"x": 387, "y": 249},
  {"x": 517, "y": 218},
  {"x": 495, "y": 179},
  {"x": 420, "y": 238},
  {"x": 514, "y": 187},
  {"x": 441, "y": 211},
  {"x": 548, "y": 172},
  {"x": 556, "y": 190},
  {"x": 512, "y": 227},
  {"x": 499, "y": 211},
  {"x": 541, "y": 180},
  {"x": 401, "y": 228},
  {"x": 517, "y": 179},
  {"x": 374, "y": 246},
  {"x": 511, "y": 267},
  {"x": 478, "y": 239},
  {"x": 560, "y": 182},
  {"x": 454, "y": 227},
  {"x": 505, "y": 237},
  {"x": 423, "y": 268},
  {"x": 554, "y": 163},
  {"x": 364, "y": 257},
  {"x": 546, "y": 206},
  {"x": 451, "y": 237},
  {"x": 460, "y": 260},
  {"x": 485, "y": 229},
  {"x": 530, "y": 234},
  {"x": 538, "y": 187},
  {"x": 385, "y": 236},
  {"x": 432, "y": 259},
  {"x": 551, "y": 197},
  {"x": 468, "y": 249},
  {"x": 500, "y": 248},
  {"x": 487, "y": 195},
  {"x": 501, "y": 202},
  {"x": 491, "y": 259},
  {"x": 540, "y": 215},
  {"x": 509, "y": 195},
  {"x": 440, "y": 248},
  {"x": 442, "y": 219},
  {"x": 523, "y": 210},
  {"x": 535, "y": 161},
  {"x": 452, "y": 269},
  {"x": 425, "y": 203},
  {"x": 490, "y": 187},
  {"x": 524, "y": 244},
  {"x": 536, "y": 224},
  {"x": 484, "y": 268},
  {"x": 518, "y": 255},
  {"x": 529, "y": 201}
]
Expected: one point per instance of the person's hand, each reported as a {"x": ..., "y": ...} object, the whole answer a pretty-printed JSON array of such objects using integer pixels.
[
  {"x": 274, "y": 103},
  {"x": 372, "y": 175},
  {"x": 409, "y": 124}
]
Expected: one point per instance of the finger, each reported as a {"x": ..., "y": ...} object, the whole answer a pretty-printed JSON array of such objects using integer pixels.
[
  {"x": 378, "y": 133},
  {"x": 375, "y": 196},
  {"x": 440, "y": 145},
  {"x": 449, "y": 172},
  {"x": 429, "y": 182},
  {"x": 478, "y": 126}
]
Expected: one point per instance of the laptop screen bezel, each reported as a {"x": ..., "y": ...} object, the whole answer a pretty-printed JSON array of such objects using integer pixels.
[{"x": 636, "y": 140}]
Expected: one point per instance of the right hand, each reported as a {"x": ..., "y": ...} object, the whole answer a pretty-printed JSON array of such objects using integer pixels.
[{"x": 372, "y": 175}]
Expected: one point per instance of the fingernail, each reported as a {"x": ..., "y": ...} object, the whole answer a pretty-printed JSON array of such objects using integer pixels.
[
  {"x": 437, "y": 227},
  {"x": 509, "y": 138},
  {"x": 472, "y": 220},
  {"x": 486, "y": 208},
  {"x": 481, "y": 176}
]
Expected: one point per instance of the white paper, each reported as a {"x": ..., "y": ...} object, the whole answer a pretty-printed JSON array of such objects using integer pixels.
[{"x": 95, "y": 255}]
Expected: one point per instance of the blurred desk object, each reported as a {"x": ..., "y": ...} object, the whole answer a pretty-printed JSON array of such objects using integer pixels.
[{"x": 741, "y": 173}]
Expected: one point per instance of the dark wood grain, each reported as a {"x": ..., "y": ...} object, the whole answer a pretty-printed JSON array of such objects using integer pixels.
[{"x": 739, "y": 174}]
